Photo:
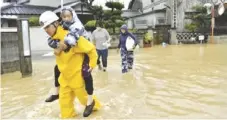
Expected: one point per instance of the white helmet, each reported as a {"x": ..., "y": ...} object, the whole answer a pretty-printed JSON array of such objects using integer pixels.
[{"x": 47, "y": 18}]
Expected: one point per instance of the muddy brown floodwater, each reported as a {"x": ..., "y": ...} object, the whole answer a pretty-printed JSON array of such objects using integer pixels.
[{"x": 182, "y": 81}]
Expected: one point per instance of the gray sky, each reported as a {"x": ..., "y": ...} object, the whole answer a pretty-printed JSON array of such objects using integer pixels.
[{"x": 102, "y": 3}]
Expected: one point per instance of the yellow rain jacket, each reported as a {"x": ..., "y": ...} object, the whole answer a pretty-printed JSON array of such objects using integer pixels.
[
  {"x": 71, "y": 80},
  {"x": 70, "y": 63}
]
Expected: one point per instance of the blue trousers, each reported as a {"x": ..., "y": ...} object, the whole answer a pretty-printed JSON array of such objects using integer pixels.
[
  {"x": 103, "y": 54},
  {"x": 127, "y": 58}
]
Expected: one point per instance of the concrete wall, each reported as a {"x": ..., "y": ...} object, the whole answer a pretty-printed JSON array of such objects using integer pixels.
[{"x": 9, "y": 52}]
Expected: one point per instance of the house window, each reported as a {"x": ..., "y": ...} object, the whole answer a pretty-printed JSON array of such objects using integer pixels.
[
  {"x": 141, "y": 21},
  {"x": 161, "y": 20},
  {"x": 12, "y": 23}
]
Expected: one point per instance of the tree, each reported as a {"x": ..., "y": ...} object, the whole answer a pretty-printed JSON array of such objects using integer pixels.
[
  {"x": 98, "y": 12},
  {"x": 191, "y": 27},
  {"x": 110, "y": 18},
  {"x": 86, "y": 3},
  {"x": 113, "y": 17},
  {"x": 200, "y": 19},
  {"x": 90, "y": 25}
]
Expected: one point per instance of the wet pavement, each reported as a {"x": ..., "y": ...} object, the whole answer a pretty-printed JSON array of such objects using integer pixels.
[{"x": 182, "y": 81}]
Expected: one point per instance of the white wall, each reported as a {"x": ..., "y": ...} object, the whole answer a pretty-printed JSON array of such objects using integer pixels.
[{"x": 38, "y": 39}]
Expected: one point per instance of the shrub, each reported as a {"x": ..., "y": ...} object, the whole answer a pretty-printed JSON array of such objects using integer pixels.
[
  {"x": 147, "y": 38},
  {"x": 33, "y": 21}
]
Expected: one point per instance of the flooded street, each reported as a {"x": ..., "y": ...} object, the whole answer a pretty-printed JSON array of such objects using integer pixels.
[{"x": 183, "y": 81}]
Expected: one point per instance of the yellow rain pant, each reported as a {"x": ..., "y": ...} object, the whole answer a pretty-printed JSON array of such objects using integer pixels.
[
  {"x": 66, "y": 100},
  {"x": 71, "y": 80}
]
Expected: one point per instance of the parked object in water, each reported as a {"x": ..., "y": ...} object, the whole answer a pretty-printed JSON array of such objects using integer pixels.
[{"x": 164, "y": 44}]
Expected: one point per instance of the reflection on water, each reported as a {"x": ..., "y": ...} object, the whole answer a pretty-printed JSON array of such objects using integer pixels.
[{"x": 185, "y": 81}]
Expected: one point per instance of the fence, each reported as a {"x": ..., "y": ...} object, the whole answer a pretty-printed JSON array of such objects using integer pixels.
[{"x": 186, "y": 37}]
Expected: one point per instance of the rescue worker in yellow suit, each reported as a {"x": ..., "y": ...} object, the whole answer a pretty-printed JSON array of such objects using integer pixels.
[{"x": 70, "y": 65}]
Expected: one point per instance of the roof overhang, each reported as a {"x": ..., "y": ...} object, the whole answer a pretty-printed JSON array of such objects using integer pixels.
[
  {"x": 24, "y": 9},
  {"x": 9, "y": 16}
]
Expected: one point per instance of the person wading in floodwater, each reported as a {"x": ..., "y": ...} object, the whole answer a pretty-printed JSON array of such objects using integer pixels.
[
  {"x": 71, "y": 22},
  {"x": 70, "y": 58},
  {"x": 127, "y": 57},
  {"x": 101, "y": 39}
]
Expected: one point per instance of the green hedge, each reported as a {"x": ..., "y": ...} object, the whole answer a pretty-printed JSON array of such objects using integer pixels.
[
  {"x": 90, "y": 25},
  {"x": 34, "y": 21}
]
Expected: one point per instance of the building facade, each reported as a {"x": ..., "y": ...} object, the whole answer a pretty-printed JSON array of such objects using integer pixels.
[
  {"x": 146, "y": 13},
  {"x": 150, "y": 13},
  {"x": 14, "y": 9}
]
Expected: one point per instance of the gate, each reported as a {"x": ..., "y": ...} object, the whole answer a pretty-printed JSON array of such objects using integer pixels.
[{"x": 162, "y": 34}]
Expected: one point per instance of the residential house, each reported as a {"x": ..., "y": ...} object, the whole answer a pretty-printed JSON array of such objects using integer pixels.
[
  {"x": 27, "y": 8},
  {"x": 19, "y": 9},
  {"x": 83, "y": 12},
  {"x": 142, "y": 14},
  {"x": 150, "y": 14}
]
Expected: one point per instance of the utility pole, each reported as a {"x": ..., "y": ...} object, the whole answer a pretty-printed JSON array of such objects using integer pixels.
[
  {"x": 24, "y": 47},
  {"x": 173, "y": 33},
  {"x": 212, "y": 24},
  {"x": 174, "y": 13}
]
